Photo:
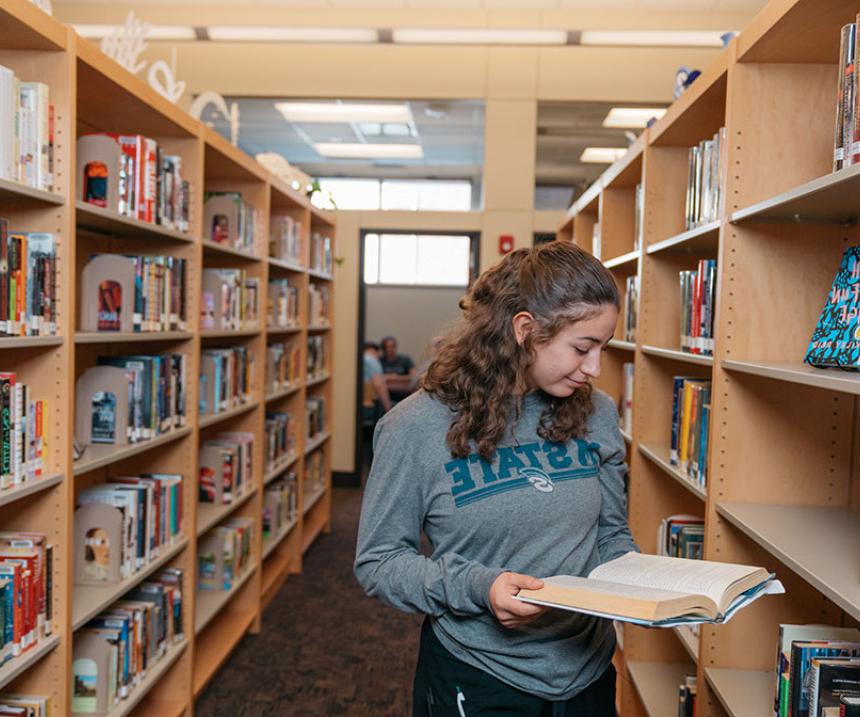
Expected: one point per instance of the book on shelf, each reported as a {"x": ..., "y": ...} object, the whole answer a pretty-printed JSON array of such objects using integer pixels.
[
  {"x": 230, "y": 300},
  {"x": 691, "y": 416},
  {"x": 631, "y": 308},
  {"x": 24, "y": 423},
  {"x": 835, "y": 340},
  {"x": 704, "y": 167},
  {"x": 224, "y": 554},
  {"x": 687, "y": 697},
  {"x": 658, "y": 591},
  {"x": 319, "y": 305},
  {"x": 21, "y": 705},
  {"x": 282, "y": 309},
  {"x": 127, "y": 399},
  {"x": 226, "y": 379},
  {"x": 315, "y": 415},
  {"x": 698, "y": 301},
  {"x": 849, "y": 706},
  {"x": 285, "y": 239},
  {"x": 315, "y": 474},
  {"x": 26, "y": 131},
  {"x": 113, "y": 651},
  {"x": 226, "y": 468},
  {"x": 28, "y": 283},
  {"x": 229, "y": 220},
  {"x": 131, "y": 175},
  {"x": 798, "y": 647},
  {"x": 280, "y": 438},
  {"x": 596, "y": 240},
  {"x": 26, "y": 591},
  {"x": 316, "y": 356},
  {"x": 280, "y": 505},
  {"x": 832, "y": 678},
  {"x": 283, "y": 366},
  {"x": 638, "y": 216},
  {"x": 133, "y": 294},
  {"x": 120, "y": 527},
  {"x": 681, "y": 536},
  {"x": 626, "y": 412},
  {"x": 845, "y": 134},
  {"x": 321, "y": 259}
]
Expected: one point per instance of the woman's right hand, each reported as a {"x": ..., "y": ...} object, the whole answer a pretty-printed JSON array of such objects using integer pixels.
[{"x": 508, "y": 610}]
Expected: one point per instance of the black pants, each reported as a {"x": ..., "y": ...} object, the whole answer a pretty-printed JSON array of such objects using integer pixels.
[{"x": 445, "y": 686}]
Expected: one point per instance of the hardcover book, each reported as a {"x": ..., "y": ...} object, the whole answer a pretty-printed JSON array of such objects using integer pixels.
[{"x": 836, "y": 338}]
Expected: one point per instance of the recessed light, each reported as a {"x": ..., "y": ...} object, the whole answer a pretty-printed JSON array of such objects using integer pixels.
[
  {"x": 355, "y": 150},
  {"x": 652, "y": 38},
  {"x": 238, "y": 33},
  {"x": 156, "y": 32},
  {"x": 602, "y": 155},
  {"x": 632, "y": 116},
  {"x": 478, "y": 36},
  {"x": 337, "y": 112}
]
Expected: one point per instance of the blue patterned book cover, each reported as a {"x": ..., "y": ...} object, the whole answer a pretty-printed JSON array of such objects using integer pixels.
[{"x": 836, "y": 339}]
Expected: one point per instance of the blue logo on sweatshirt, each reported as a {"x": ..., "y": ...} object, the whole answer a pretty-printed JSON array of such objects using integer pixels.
[{"x": 540, "y": 466}]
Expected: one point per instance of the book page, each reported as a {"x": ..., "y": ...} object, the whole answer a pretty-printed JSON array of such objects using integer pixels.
[
  {"x": 693, "y": 577},
  {"x": 612, "y": 588}
]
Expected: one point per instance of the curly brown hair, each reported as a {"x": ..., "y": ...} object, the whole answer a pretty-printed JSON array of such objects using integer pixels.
[{"x": 479, "y": 370}]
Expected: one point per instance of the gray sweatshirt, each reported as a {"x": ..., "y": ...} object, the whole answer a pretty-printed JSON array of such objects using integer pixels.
[{"x": 538, "y": 508}]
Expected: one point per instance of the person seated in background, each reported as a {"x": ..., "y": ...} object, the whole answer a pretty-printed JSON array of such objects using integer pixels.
[
  {"x": 374, "y": 381},
  {"x": 399, "y": 370}
]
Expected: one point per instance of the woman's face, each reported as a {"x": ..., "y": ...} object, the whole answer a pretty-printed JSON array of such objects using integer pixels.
[{"x": 572, "y": 357}]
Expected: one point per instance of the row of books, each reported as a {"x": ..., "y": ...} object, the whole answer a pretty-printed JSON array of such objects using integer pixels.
[
  {"x": 230, "y": 221},
  {"x": 28, "y": 283},
  {"x": 317, "y": 362},
  {"x": 698, "y": 304},
  {"x": 21, "y": 705},
  {"x": 681, "y": 536},
  {"x": 283, "y": 366},
  {"x": 133, "y": 293},
  {"x": 26, "y": 591},
  {"x": 123, "y": 525},
  {"x": 126, "y": 399},
  {"x": 631, "y": 308},
  {"x": 319, "y": 305},
  {"x": 230, "y": 300},
  {"x": 817, "y": 671},
  {"x": 26, "y": 131},
  {"x": 321, "y": 259},
  {"x": 691, "y": 413},
  {"x": 24, "y": 422},
  {"x": 280, "y": 506},
  {"x": 280, "y": 439},
  {"x": 132, "y": 175},
  {"x": 315, "y": 415},
  {"x": 285, "y": 239},
  {"x": 226, "y": 467},
  {"x": 315, "y": 477},
  {"x": 846, "y": 141},
  {"x": 282, "y": 311},
  {"x": 226, "y": 379},
  {"x": 703, "y": 180},
  {"x": 115, "y": 650},
  {"x": 625, "y": 412},
  {"x": 224, "y": 554}
]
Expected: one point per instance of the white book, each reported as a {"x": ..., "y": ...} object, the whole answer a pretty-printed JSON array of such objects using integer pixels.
[{"x": 8, "y": 124}]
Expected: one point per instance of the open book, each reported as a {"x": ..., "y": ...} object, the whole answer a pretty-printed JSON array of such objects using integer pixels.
[{"x": 658, "y": 591}]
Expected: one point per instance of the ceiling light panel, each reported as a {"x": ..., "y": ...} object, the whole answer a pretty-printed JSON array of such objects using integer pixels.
[
  {"x": 602, "y": 155},
  {"x": 343, "y": 150},
  {"x": 652, "y": 38},
  {"x": 292, "y": 34},
  {"x": 632, "y": 116},
  {"x": 477, "y": 36},
  {"x": 156, "y": 32},
  {"x": 336, "y": 112}
]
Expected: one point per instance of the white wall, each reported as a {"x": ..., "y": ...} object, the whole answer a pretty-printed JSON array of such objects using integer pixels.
[{"x": 413, "y": 315}]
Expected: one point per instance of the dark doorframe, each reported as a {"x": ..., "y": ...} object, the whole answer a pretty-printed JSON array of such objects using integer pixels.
[{"x": 474, "y": 264}]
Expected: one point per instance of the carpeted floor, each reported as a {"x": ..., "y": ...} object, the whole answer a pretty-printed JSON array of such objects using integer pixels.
[{"x": 326, "y": 648}]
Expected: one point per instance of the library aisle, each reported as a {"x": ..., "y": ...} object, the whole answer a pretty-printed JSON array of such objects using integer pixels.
[{"x": 327, "y": 649}]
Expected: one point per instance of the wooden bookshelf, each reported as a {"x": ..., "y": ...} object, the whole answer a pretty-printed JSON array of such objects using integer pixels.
[
  {"x": 783, "y": 485},
  {"x": 91, "y": 93}
]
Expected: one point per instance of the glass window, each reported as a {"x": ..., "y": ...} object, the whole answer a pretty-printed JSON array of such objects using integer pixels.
[
  {"x": 349, "y": 193},
  {"x": 426, "y": 195},
  {"x": 419, "y": 260}
]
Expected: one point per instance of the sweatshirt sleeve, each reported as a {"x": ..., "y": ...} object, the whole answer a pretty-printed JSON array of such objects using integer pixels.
[
  {"x": 388, "y": 562},
  {"x": 614, "y": 538}
]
